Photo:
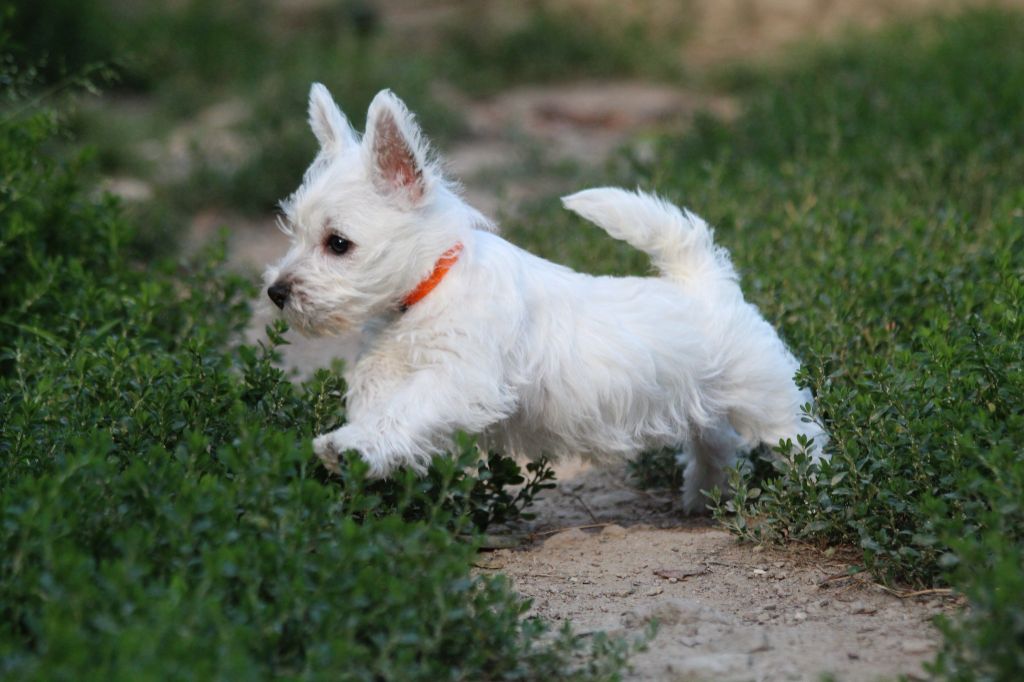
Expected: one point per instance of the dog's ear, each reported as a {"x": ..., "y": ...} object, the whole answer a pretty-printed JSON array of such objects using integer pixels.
[
  {"x": 328, "y": 123},
  {"x": 395, "y": 151}
]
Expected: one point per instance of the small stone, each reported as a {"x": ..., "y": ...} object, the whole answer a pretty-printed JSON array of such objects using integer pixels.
[
  {"x": 670, "y": 612},
  {"x": 614, "y": 531},
  {"x": 799, "y": 616},
  {"x": 655, "y": 592},
  {"x": 863, "y": 608},
  {"x": 760, "y": 644},
  {"x": 680, "y": 573},
  {"x": 565, "y": 538},
  {"x": 759, "y": 572},
  {"x": 916, "y": 646},
  {"x": 710, "y": 666}
]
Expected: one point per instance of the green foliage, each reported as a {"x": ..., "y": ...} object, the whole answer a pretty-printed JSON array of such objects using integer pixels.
[
  {"x": 58, "y": 37},
  {"x": 987, "y": 642},
  {"x": 161, "y": 513},
  {"x": 553, "y": 45}
]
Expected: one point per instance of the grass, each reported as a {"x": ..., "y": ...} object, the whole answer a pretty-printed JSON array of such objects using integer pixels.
[{"x": 551, "y": 45}]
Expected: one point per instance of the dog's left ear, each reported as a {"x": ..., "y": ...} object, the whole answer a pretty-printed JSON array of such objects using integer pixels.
[
  {"x": 327, "y": 122},
  {"x": 395, "y": 151}
]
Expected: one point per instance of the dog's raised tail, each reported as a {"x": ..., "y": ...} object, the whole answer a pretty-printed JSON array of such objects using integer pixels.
[{"x": 680, "y": 244}]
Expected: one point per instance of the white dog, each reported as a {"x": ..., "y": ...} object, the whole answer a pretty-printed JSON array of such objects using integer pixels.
[{"x": 469, "y": 332}]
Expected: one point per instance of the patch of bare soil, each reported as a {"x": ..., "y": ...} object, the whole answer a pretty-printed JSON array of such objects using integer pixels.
[
  {"x": 518, "y": 138},
  {"x": 726, "y": 611}
]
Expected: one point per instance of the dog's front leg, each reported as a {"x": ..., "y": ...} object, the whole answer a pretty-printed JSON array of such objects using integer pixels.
[
  {"x": 330, "y": 446},
  {"x": 413, "y": 422}
]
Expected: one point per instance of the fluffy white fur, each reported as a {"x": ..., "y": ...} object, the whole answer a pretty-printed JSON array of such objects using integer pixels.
[{"x": 534, "y": 357}]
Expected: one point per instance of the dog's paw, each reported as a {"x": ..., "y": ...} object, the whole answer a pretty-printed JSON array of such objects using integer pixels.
[
  {"x": 330, "y": 447},
  {"x": 329, "y": 452}
]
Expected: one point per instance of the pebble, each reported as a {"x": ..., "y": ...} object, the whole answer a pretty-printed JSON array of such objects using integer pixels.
[
  {"x": 709, "y": 666},
  {"x": 862, "y": 608},
  {"x": 760, "y": 644},
  {"x": 669, "y": 612},
  {"x": 916, "y": 646},
  {"x": 614, "y": 531},
  {"x": 565, "y": 539}
]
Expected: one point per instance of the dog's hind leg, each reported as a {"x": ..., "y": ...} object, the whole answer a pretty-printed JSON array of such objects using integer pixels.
[{"x": 711, "y": 451}]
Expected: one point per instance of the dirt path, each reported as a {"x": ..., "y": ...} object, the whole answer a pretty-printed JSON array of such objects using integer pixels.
[{"x": 727, "y": 611}]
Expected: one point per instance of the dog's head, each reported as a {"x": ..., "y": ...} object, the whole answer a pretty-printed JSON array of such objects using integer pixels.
[{"x": 368, "y": 223}]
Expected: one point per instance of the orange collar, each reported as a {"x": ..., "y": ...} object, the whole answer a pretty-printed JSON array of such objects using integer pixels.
[{"x": 441, "y": 268}]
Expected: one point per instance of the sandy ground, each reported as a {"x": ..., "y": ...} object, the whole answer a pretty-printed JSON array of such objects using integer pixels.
[{"x": 610, "y": 558}]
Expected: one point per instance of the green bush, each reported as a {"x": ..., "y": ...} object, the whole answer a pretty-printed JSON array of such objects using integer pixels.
[
  {"x": 161, "y": 513},
  {"x": 551, "y": 45}
]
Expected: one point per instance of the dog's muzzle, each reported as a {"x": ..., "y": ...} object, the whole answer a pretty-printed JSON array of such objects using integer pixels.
[{"x": 279, "y": 292}]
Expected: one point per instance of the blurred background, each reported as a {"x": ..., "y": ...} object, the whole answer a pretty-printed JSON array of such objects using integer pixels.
[{"x": 195, "y": 109}]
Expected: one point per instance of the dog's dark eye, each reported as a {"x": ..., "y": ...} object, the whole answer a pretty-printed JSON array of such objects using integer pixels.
[{"x": 338, "y": 245}]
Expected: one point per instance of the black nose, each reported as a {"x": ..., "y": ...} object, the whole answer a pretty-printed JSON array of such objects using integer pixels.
[{"x": 278, "y": 293}]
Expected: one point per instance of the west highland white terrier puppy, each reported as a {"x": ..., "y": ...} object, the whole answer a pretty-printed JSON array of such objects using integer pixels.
[{"x": 465, "y": 331}]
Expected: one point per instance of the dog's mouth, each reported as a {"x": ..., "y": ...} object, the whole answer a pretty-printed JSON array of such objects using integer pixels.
[{"x": 312, "y": 323}]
